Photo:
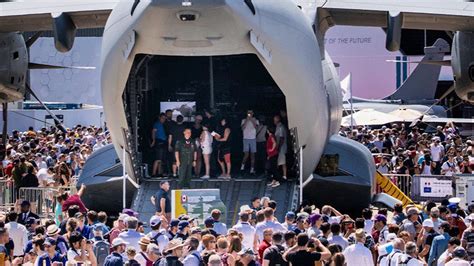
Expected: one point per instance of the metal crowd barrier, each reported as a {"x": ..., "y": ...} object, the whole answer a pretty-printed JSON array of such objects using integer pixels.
[
  {"x": 403, "y": 182},
  {"x": 8, "y": 195},
  {"x": 432, "y": 187},
  {"x": 43, "y": 199}
]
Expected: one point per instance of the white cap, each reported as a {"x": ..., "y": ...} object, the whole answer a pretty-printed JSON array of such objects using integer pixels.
[
  {"x": 470, "y": 218},
  {"x": 122, "y": 217},
  {"x": 245, "y": 209},
  {"x": 391, "y": 237},
  {"x": 454, "y": 200},
  {"x": 428, "y": 223},
  {"x": 155, "y": 220},
  {"x": 118, "y": 241}
]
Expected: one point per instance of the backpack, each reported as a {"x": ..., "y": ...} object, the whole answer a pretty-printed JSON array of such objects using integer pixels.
[
  {"x": 164, "y": 262},
  {"x": 155, "y": 238},
  {"x": 101, "y": 250},
  {"x": 403, "y": 261},
  {"x": 201, "y": 262}
]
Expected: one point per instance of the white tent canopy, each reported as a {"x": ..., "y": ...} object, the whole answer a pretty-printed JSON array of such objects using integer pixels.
[
  {"x": 406, "y": 115},
  {"x": 368, "y": 117}
]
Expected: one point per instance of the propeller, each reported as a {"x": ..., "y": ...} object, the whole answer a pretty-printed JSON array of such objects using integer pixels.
[
  {"x": 33, "y": 39},
  {"x": 32, "y": 65},
  {"x": 427, "y": 62},
  {"x": 57, "y": 122}
]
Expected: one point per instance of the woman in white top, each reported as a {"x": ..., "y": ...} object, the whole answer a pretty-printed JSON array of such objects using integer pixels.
[
  {"x": 426, "y": 165},
  {"x": 81, "y": 252},
  {"x": 206, "y": 146}
]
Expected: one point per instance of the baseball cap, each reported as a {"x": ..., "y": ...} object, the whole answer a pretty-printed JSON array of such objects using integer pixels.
[
  {"x": 470, "y": 218},
  {"x": 428, "y": 223},
  {"x": 130, "y": 212},
  {"x": 391, "y": 237},
  {"x": 183, "y": 225},
  {"x": 459, "y": 252},
  {"x": 155, "y": 220},
  {"x": 380, "y": 218},
  {"x": 452, "y": 207},
  {"x": 313, "y": 218},
  {"x": 290, "y": 215},
  {"x": 49, "y": 241},
  {"x": 174, "y": 222},
  {"x": 412, "y": 211}
]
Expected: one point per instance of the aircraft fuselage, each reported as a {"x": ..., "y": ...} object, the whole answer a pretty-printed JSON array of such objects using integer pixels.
[{"x": 276, "y": 31}]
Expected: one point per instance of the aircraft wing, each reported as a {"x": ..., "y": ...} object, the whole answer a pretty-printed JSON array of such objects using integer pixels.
[
  {"x": 450, "y": 15},
  {"x": 428, "y": 119},
  {"x": 33, "y": 15}
]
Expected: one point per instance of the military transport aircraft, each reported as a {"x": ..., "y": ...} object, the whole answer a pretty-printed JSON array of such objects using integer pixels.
[{"x": 285, "y": 35}]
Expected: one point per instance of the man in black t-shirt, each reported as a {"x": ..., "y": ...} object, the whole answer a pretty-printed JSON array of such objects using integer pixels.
[
  {"x": 175, "y": 134},
  {"x": 299, "y": 254},
  {"x": 162, "y": 201},
  {"x": 273, "y": 255}
]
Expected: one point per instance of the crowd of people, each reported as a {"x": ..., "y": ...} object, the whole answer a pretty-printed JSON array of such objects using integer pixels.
[
  {"x": 49, "y": 157},
  {"x": 436, "y": 234},
  {"x": 404, "y": 150},
  {"x": 187, "y": 150}
]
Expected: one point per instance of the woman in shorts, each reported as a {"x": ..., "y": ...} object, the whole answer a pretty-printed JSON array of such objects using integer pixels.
[
  {"x": 223, "y": 149},
  {"x": 206, "y": 146}
]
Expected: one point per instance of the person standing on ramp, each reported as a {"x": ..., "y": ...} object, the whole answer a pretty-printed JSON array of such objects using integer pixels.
[{"x": 185, "y": 153}]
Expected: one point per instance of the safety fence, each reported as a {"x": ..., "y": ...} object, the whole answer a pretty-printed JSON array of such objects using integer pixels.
[
  {"x": 403, "y": 182},
  {"x": 8, "y": 195},
  {"x": 429, "y": 187},
  {"x": 43, "y": 199}
]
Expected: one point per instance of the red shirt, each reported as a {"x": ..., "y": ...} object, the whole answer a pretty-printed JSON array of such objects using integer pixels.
[
  {"x": 270, "y": 141},
  {"x": 74, "y": 200},
  {"x": 263, "y": 246},
  {"x": 9, "y": 169}
]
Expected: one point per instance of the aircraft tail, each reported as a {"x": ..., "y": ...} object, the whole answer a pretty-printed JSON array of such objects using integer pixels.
[{"x": 423, "y": 81}]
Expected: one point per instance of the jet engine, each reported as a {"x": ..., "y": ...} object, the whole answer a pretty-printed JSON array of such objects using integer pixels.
[
  {"x": 463, "y": 64},
  {"x": 13, "y": 66}
]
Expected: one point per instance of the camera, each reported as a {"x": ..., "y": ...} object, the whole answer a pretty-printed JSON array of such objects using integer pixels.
[{"x": 187, "y": 17}]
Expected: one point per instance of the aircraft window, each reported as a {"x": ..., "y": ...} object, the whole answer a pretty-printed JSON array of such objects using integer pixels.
[
  {"x": 12, "y": 80},
  {"x": 16, "y": 55}
]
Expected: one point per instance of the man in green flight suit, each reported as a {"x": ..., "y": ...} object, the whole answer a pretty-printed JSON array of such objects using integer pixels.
[{"x": 185, "y": 152}]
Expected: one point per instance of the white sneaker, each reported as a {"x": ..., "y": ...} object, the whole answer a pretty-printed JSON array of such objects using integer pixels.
[
  {"x": 252, "y": 171},
  {"x": 242, "y": 167},
  {"x": 228, "y": 177},
  {"x": 284, "y": 177},
  {"x": 205, "y": 177},
  {"x": 221, "y": 177},
  {"x": 276, "y": 184}
]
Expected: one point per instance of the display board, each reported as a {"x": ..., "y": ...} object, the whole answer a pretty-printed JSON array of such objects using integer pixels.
[
  {"x": 432, "y": 187},
  {"x": 427, "y": 187},
  {"x": 197, "y": 203},
  {"x": 186, "y": 109}
]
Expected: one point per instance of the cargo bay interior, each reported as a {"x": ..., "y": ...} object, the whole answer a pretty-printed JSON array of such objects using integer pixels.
[{"x": 226, "y": 85}]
